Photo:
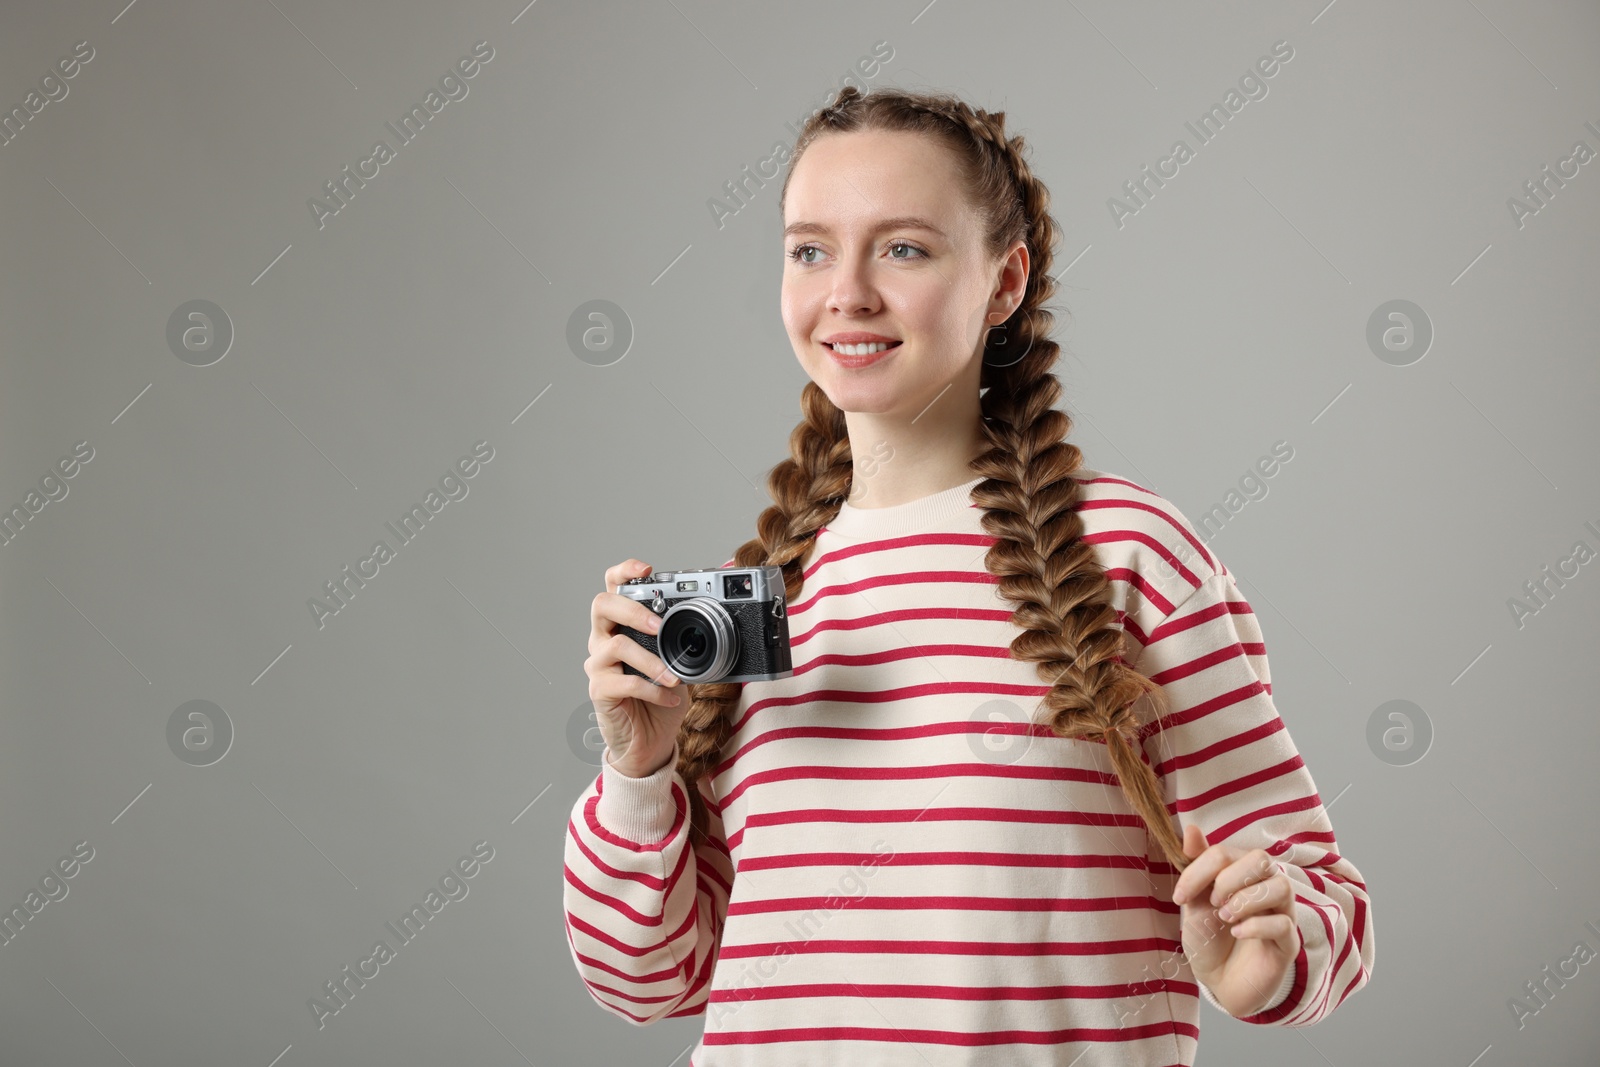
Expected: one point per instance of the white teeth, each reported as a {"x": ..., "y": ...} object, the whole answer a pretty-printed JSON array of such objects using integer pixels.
[{"x": 860, "y": 350}]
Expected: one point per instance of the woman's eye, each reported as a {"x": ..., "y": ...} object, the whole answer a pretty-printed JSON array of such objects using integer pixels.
[{"x": 800, "y": 251}]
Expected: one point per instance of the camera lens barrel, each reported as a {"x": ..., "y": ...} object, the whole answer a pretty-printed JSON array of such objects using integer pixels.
[{"x": 698, "y": 642}]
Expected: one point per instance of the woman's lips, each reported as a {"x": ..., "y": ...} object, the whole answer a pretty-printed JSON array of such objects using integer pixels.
[{"x": 857, "y": 362}]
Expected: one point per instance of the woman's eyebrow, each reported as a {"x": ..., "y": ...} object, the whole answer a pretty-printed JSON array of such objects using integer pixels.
[{"x": 901, "y": 222}]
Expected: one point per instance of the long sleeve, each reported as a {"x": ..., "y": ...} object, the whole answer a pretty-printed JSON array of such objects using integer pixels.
[
  {"x": 1228, "y": 764},
  {"x": 645, "y": 904}
]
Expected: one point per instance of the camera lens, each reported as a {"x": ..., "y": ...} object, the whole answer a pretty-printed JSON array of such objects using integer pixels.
[{"x": 698, "y": 640}]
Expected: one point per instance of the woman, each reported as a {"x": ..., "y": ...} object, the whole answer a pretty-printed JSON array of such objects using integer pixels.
[{"x": 934, "y": 862}]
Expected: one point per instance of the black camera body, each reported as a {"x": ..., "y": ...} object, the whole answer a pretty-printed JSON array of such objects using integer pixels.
[{"x": 718, "y": 624}]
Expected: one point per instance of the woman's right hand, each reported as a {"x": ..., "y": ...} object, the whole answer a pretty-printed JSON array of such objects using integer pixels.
[{"x": 638, "y": 718}]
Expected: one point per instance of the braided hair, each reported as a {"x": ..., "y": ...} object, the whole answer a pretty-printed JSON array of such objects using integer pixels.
[{"x": 1029, "y": 497}]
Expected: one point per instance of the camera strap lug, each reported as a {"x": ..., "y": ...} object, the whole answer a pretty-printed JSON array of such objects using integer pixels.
[{"x": 777, "y": 607}]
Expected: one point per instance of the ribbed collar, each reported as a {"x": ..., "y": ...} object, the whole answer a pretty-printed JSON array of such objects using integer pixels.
[{"x": 914, "y": 516}]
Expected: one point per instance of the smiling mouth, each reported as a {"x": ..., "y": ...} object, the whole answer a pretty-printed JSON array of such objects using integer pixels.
[{"x": 888, "y": 346}]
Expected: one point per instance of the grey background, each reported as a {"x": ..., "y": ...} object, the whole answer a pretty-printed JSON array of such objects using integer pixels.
[{"x": 432, "y": 712}]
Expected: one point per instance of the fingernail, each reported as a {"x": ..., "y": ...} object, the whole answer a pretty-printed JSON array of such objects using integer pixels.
[
  {"x": 655, "y": 624},
  {"x": 1226, "y": 914}
]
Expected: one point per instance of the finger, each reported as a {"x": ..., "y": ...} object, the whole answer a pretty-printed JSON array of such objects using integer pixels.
[
  {"x": 624, "y": 649},
  {"x": 1277, "y": 928},
  {"x": 614, "y": 687},
  {"x": 1196, "y": 878},
  {"x": 610, "y": 608},
  {"x": 1245, "y": 869},
  {"x": 621, "y": 572},
  {"x": 1189, "y": 884},
  {"x": 1269, "y": 895}
]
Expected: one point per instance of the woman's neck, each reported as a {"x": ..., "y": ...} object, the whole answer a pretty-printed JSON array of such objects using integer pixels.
[{"x": 897, "y": 462}]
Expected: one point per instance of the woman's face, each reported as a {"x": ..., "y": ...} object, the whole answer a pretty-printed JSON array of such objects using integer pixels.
[{"x": 858, "y": 264}]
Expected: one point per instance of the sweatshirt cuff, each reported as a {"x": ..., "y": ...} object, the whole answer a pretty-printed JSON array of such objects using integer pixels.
[
  {"x": 1277, "y": 998},
  {"x": 639, "y": 809}
]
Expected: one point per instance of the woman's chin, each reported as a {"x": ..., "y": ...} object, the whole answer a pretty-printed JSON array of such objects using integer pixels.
[{"x": 857, "y": 398}]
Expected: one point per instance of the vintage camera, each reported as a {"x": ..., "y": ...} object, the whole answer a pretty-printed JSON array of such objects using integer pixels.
[{"x": 718, "y": 624}]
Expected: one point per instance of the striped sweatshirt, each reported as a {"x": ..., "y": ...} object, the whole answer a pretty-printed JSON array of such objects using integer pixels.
[{"x": 899, "y": 870}]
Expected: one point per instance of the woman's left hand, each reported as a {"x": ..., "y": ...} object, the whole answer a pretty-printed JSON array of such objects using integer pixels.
[{"x": 1242, "y": 955}]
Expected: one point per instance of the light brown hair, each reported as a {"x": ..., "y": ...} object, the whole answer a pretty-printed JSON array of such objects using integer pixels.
[{"x": 1043, "y": 566}]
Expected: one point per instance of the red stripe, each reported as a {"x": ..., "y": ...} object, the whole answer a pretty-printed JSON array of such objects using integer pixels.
[
  {"x": 1358, "y": 923},
  {"x": 1226, "y": 654},
  {"x": 951, "y": 992},
  {"x": 630, "y": 998},
  {"x": 924, "y": 947},
  {"x": 622, "y": 946},
  {"x": 898, "y": 1036},
  {"x": 646, "y": 880},
  {"x": 1019, "y": 905},
  {"x": 1195, "y": 618},
  {"x": 1200, "y": 710},
  {"x": 1357, "y": 980},
  {"x": 885, "y": 618},
  {"x": 1212, "y": 751},
  {"x": 877, "y": 581},
  {"x": 891, "y": 655},
  {"x": 892, "y": 733},
  {"x": 951, "y": 859},
  {"x": 1139, "y": 505},
  {"x": 619, "y": 906},
  {"x": 1240, "y": 784},
  {"x": 701, "y": 981},
  {"x": 867, "y": 696},
  {"x": 979, "y": 540},
  {"x": 1141, "y": 538},
  {"x": 1227, "y": 830},
  {"x": 636, "y": 979},
  {"x": 909, "y": 815},
  {"x": 1316, "y": 1005},
  {"x": 1338, "y": 963},
  {"x": 1135, "y": 580},
  {"x": 805, "y": 772}
]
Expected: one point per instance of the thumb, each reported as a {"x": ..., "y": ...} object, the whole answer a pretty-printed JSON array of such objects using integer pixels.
[{"x": 1194, "y": 841}]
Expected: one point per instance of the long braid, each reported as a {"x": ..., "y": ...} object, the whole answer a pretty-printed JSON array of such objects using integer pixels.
[
  {"x": 1029, "y": 497},
  {"x": 1071, "y": 631},
  {"x": 807, "y": 491}
]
